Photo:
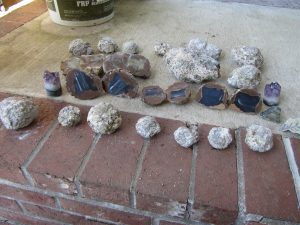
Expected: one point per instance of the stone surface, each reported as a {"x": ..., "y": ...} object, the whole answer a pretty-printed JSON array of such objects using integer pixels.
[
  {"x": 259, "y": 138},
  {"x": 272, "y": 94},
  {"x": 17, "y": 112},
  {"x": 247, "y": 76},
  {"x": 219, "y": 137},
  {"x": 161, "y": 48},
  {"x": 83, "y": 86},
  {"x": 189, "y": 67},
  {"x": 153, "y": 95},
  {"x": 292, "y": 125},
  {"x": 185, "y": 136},
  {"x": 92, "y": 64},
  {"x": 79, "y": 47},
  {"x": 69, "y": 116},
  {"x": 67, "y": 65},
  {"x": 130, "y": 47},
  {"x": 137, "y": 65},
  {"x": 120, "y": 83},
  {"x": 147, "y": 127},
  {"x": 178, "y": 93},
  {"x": 246, "y": 100},
  {"x": 52, "y": 83},
  {"x": 198, "y": 46},
  {"x": 107, "y": 45},
  {"x": 213, "y": 96},
  {"x": 104, "y": 118},
  {"x": 247, "y": 55},
  {"x": 272, "y": 114}
]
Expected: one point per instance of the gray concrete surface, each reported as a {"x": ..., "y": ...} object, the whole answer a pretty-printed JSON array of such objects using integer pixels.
[{"x": 28, "y": 51}]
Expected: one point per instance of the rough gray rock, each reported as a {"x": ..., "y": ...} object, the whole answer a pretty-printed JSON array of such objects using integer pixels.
[
  {"x": 259, "y": 138},
  {"x": 69, "y": 116},
  {"x": 107, "y": 45},
  {"x": 247, "y": 76},
  {"x": 201, "y": 47},
  {"x": 219, "y": 137},
  {"x": 79, "y": 47},
  {"x": 147, "y": 127},
  {"x": 189, "y": 67},
  {"x": 161, "y": 48},
  {"x": 104, "y": 118},
  {"x": 186, "y": 137},
  {"x": 292, "y": 125},
  {"x": 247, "y": 55},
  {"x": 17, "y": 112},
  {"x": 272, "y": 114},
  {"x": 130, "y": 47}
]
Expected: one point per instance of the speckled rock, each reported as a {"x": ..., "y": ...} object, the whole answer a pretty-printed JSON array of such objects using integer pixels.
[
  {"x": 79, "y": 47},
  {"x": 247, "y": 55},
  {"x": 292, "y": 125},
  {"x": 201, "y": 47},
  {"x": 219, "y": 137},
  {"x": 104, "y": 118},
  {"x": 161, "y": 48},
  {"x": 186, "y": 137},
  {"x": 189, "y": 67},
  {"x": 130, "y": 47},
  {"x": 17, "y": 112},
  {"x": 147, "y": 127},
  {"x": 247, "y": 76},
  {"x": 107, "y": 45},
  {"x": 69, "y": 116},
  {"x": 259, "y": 138}
]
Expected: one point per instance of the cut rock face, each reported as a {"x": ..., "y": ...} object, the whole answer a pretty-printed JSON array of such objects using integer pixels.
[
  {"x": 137, "y": 65},
  {"x": 161, "y": 48},
  {"x": 104, "y": 118},
  {"x": 247, "y": 55},
  {"x": 219, "y": 137},
  {"x": 17, "y": 112},
  {"x": 213, "y": 96},
  {"x": 107, "y": 45},
  {"x": 79, "y": 47},
  {"x": 69, "y": 116},
  {"x": 186, "y": 137},
  {"x": 246, "y": 100},
  {"x": 67, "y": 65},
  {"x": 247, "y": 76},
  {"x": 120, "y": 83},
  {"x": 130, "y": 47},
  {"x": 189, "y": 67},
  {"x": 83, "y": 86},
  {"x": 178, "y": 93},
  {"x": 92, "y": 64},
  {"x": 153, "y": 95},
  {"x": 259, "y": 138},
  {"x": 292, "y": 125},
  {"x": 198, "y": 46},
  {"x": 272, "y": 114},
  {"x": 147, "y": 127},
  {"x": 272, "y": 94}
]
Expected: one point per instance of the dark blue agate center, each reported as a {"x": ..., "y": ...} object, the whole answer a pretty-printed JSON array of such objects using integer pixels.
[
  {"x": 83, "y": 82},
  {"x": 152, "y": 92},
  {"x": 181, "y": 93},
  {"x": 118, "y": 86},
  {"x": 245, "y": 102},
  {"x": 211, "y": 96}
]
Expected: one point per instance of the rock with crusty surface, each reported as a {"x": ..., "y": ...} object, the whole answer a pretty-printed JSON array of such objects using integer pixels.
[
  {"x": 199, "y": 46},
  {"x": 107, "y": 45},
  {"x": 247, "y": 76},
  {"x": 219, "y": 137},
  {"x": 161, "y": 48},
  {"x": 147, "y": 127},
  {"x": 292, "y": 125},
  {"x": 79, "y": 47},
  {"x": 259, "y": 138},
  {"x": 130, "y": 47},
  {"x": 69, "y": 116},
  {"x": 247, "y": 55},
  {"x": 104, "y": 118},
  {"x": 186, "y": 137},
  {"x": 17, "y": 112}
]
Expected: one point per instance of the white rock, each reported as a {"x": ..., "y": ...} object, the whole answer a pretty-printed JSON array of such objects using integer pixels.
[
  {"x": 292, "y": 125},
  {"x": 247, "y": 76},
  {"x": 247, "y": 55},
  {"x": 189, "y": 67},
  {"x": 107, "y": 45},
  {"x": 104, "y": 118},
  {"x": 17, "y": 112},
  {"x": 69, "y": 116},
  {"x": 79, "y": 47},
  {"x": 219, "y": 137},
  {"x": 147, "y": 127},
  {"x": 161, "y": 48},
  {"x": 199, "y": 46},
  {"x": 259, "y": 138},
  {"x": 186, "y": 137},
  {"x": 130, "y": 47}
]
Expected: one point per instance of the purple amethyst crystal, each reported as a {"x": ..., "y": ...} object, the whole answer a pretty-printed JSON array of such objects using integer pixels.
[
  {"x": 272, "y": 94},
  {"x": 52, "y": 83}
]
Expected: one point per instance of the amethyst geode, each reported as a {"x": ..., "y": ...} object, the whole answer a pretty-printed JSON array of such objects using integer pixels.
[
  {"x": 272, "y": 94},
  {"x": 52, "y": 83}
]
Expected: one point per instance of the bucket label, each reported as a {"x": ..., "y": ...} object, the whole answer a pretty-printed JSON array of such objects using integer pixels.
[
  {"x": 51, "y": 5},
  {"x": 73, "y": 10}
]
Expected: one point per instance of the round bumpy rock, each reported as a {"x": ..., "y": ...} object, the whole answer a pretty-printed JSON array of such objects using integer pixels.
[
  {"x": 247, "y": 76},
  {"x": 219, "y": 137},
  {"x": 130, "y": 47},
  {"x": 259, "y": 138},
  {"x": 69, "y": 116},
  {"x": 107, "y": 45},
  {"x": 199, "y": 46},
  {"x": 79, "y": 47},
  {"x": 161, "y": 48},
  {"x": 186, "y": 137},
  {"x": 17, "y": 112},
  {"x": 247, "y": 55},
  {"x": 104, "y": 118},
  {"x": 147, "y": 127}
]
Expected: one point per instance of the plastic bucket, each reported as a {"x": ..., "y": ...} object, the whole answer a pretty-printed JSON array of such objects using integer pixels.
[{"x": 80, "y": 13}]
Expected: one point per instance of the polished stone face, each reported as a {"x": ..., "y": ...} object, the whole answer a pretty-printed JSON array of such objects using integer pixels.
[
  {"x": 246, "y": 103},
  {"x": 153, "y": 95},
  {"x": 83, "y": 83},
  {"x": 153, "y": 91},
  {"x": 118, "y": 86},
  {"x": 178, "y": 93},
  {"x": 211, "y": 96}
]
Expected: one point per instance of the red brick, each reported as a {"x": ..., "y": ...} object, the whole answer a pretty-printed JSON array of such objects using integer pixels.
[
  {"x": 296, "y": 149},
  {"x": 269, "y": 186},
  {"x": 216, "y": 182},
  {"x": 9, "y": 204},
  {"x": 8, "y": 26},
  {"x": 165, "y": 175},
  {"x": 169, "y": 223},
  {"x": 109, "y": 172},
  {"x": 253, "y": 223},
  {"x": 61, "y": 155},
  {"x": 16, "y": 146},
  {"x": 25, "y": 195},
  {"x": 105, "y": 213}
]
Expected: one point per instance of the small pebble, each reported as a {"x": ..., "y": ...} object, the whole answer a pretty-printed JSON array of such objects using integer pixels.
[
  {"x": 161, "y": 48},
  {"x": 147, "y": 127},
  {"x": 69, "y": 116},
  {"x": 259, "y": 138},
  {"x": 107, "y": 45},
  {"x": 79, "y": 47},
  {"x": 130, "y": 47},
  {"x": 219, "y": 137},
  {"x": 186, "y": 137}
]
